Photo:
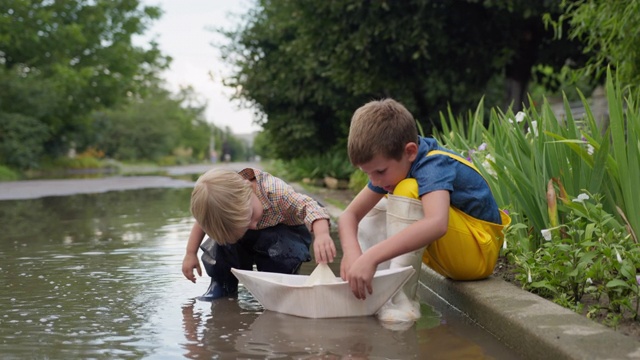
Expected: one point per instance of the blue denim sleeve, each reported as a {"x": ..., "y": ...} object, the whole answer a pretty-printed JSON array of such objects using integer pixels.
[
  {"x": 436, "y": 172},
  {"x": 468, "y": 189}
]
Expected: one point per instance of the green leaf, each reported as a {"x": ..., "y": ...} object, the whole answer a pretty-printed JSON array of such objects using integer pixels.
[{"x": 617, "y": 283}]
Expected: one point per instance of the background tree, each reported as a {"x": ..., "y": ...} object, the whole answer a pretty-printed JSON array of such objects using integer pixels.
[
  {"x": 152, "y": 127},
  {"x": 71, "y": 57},
  {"x": 610, "y": 31},
  {"x": 307, "y": 65}
]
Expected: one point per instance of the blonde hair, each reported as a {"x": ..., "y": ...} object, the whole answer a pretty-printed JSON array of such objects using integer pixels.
[
  {"x": 220, "y": 203},
  {"x": 380, "y": 127}
]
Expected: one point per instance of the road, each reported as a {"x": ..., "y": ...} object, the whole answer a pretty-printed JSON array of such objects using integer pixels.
[{"x": 32, "y": 189}]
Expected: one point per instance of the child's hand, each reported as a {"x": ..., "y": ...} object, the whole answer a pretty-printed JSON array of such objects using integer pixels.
[
  {"x": 189, "y": 263},
  {"x": 345, "y": 265},
  {"x": 324, "y": 249},
  {"x": 359, "y": 276}
]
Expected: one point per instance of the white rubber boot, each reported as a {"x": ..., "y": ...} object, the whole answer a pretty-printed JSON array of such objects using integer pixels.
[
  {"x": 404, "y": 305},
  {"x": 372, "y": 229}
]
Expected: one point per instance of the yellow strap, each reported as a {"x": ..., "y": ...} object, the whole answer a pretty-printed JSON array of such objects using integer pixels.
[{"x": 459, "y": 158}]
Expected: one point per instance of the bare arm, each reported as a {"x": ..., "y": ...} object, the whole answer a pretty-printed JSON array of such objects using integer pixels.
[
  {"x": 190, "y": 261},
  {"x": 421, "y": 233}
]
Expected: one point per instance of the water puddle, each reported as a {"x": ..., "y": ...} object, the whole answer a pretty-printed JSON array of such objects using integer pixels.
[{"x": 99, "y": 276}]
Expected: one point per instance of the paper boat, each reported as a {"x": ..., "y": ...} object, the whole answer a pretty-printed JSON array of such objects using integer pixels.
[{"x": 289, "y": 294}]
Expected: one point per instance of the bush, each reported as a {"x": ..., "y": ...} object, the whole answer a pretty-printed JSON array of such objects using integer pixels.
[
  {"x": 22, "y": 140},
  {"x": 7, "y": 174},
  {"x": 334, "y": 164},
  {"x": 358, "y": 180}
]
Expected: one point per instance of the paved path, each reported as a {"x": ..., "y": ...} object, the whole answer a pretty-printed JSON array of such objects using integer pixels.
[{"x": 32, "y": 189}]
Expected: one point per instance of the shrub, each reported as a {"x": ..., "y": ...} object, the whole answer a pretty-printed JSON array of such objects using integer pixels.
[{"x": 7, "y": 174}]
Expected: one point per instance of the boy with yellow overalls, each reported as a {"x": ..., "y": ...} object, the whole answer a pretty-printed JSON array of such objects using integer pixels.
[{"x": 423, "y": 203}]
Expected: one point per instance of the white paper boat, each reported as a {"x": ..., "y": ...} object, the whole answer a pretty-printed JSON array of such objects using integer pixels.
[{"x": 289, "y": 294}]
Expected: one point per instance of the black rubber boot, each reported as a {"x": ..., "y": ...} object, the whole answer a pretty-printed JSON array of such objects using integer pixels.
[
  {"x": 215, "y": 291},
  {"x": 217, "y": 262}
]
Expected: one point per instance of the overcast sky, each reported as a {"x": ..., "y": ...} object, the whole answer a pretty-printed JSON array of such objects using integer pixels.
[{"x": 182, "y": 32}]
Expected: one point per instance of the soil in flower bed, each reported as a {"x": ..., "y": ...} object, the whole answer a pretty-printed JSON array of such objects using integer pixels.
[{"x": 626, "y": 325}]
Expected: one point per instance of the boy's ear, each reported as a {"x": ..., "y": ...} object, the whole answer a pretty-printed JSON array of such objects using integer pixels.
[{"x": 411, "y": 149}]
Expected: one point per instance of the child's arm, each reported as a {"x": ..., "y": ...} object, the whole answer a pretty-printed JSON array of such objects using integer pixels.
[
  {"x": 305, "y": 209},
  {"x": 422, "y": 233},
  {"x": 348, "y": 226},
  {"x": 323, "y": 247},
  {"x": 190, "y": 260}
]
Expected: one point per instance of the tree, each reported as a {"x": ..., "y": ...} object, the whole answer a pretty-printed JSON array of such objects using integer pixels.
[
  {"x": 610, "y": 31},
  {"x": 152, "y": 127},
  {"x": 80, "y": 51},
  {"x": 307, "y": 65}
]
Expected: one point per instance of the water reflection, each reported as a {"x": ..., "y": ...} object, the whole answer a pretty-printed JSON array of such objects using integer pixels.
[
  {"x": 229, "y": 329},
  {"x": 98, "y": 276},
  {"x": 76, "y": 271}
]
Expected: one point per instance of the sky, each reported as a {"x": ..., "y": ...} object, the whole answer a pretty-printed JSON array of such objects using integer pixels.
[{"x": 183, "y": 33}]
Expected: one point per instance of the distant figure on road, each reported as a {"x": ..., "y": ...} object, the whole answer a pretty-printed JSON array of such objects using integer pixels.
[
  {"x": 226, "y": 152},
  {"x": 214, "y": 156}
]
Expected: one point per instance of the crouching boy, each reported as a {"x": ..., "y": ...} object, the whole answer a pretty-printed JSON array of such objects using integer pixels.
[{"x": 252, "y": 217}]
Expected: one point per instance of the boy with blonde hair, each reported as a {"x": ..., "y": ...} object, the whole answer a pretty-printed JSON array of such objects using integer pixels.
[
  {"x": 252, "y": 217},
  {"x": 430, "y": 198}
]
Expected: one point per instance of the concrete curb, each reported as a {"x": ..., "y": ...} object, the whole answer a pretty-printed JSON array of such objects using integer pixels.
[{"x": 532, "y": 326}]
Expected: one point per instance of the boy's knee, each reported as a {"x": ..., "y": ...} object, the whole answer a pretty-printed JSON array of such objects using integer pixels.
[{"x": 407, "y": 188}]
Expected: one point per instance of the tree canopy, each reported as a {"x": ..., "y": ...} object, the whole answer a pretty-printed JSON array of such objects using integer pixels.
[
  {"x": 307, "y": 65},
  {"x": 610, "y": 32},
  {"x": 61, "y": 60}
]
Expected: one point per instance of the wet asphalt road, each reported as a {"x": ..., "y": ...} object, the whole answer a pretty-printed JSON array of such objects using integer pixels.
[{"x": 32, "y": 189}]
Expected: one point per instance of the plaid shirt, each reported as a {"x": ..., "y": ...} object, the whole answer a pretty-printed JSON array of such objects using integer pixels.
[{"x": 281, "y": 203}]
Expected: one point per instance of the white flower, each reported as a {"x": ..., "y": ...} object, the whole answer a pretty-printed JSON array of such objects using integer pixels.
[
  {"x": 482, "y": 147},
  {"x": 590, "y": 149},
  {"x": 589, "y": 281},
  {"x": 534, "y": 127},
  {"x": 529, "y": 275},
  {"x": 504, "y": 243},
  {"x": 546, "y": 234},
  {"x": 520, "y": 116},
  {"x": 487, "y": 164},
  {"x": 618, "y": 257},
  {"x": 581, "y": 198}
]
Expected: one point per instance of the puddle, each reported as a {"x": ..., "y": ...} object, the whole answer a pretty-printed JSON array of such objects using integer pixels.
[{"x": 99, "y": 276}]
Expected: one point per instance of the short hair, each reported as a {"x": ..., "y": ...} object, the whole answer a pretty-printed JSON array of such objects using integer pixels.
[
  {"x": 220, "y": 203},
  {"x": 380, "y": 127}
]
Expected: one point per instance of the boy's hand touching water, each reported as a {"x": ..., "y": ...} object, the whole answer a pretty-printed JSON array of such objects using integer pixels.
[{"x": 189, "y": 263}]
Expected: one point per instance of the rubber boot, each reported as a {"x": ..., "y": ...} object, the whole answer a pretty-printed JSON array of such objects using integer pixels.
[
  {"x": 372, "y": 229},
  {"x": 214, "y": 291},
  {"x": 404, "y": 305},
  {"x": 223, "y": 282}
]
